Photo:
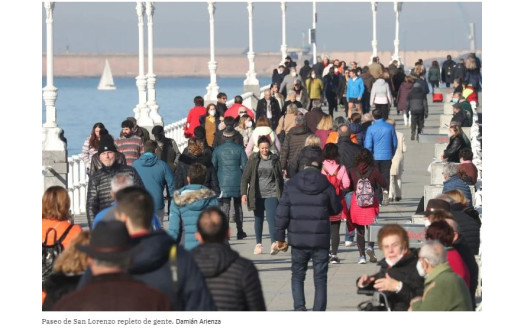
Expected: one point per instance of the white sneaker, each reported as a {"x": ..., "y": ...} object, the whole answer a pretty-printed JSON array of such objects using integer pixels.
[
  {"x": 348, "y": 244},
  {"x": 362, "y": 260}
]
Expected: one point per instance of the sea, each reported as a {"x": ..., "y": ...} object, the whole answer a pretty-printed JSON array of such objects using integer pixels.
[{"x": 80, "y": 104}]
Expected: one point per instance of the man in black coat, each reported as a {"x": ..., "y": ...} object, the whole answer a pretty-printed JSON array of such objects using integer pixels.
[
  {"x": 268, "y": 106},
  {"x": 221, "y": 103},
  {"x": 331, "y": 85},
  {"x": 305, "y": 70},
  {"x": 307, "y": 201},
  {"x": 447, "y": 71},
  {"x": 232, "y": 280},
  {"x": 99, "y": 186}
]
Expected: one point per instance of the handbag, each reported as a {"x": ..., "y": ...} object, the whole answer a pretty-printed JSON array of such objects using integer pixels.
[{"x": 281, "y": 136}]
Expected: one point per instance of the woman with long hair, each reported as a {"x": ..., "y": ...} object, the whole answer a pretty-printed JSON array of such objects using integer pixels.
[
  {"x": 90, "y": 146},
  {"x": 363, "y": 213},
  {"x": 262, "y": 128},
  {"x": 210, "y": 121},
  {"x": 434, "y": 75},
  {"x": 402, "y": 96},
  {"x": 245, "y": 127},
  {"x": 455, "y": 144},
  {"x": 324, "y": 128}
]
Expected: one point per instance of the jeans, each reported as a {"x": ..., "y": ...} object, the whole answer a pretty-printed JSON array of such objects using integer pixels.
[
  {"x": 418, "y": 121},
  {"x": 237, "y": 206},
  {"x": 335, "y": 238},
  {"x": 348, "y": 198},
  {"x": 332, "y": 104},
  {"x": 384, "y": 169},
  {"x": 300, "y": 259},
  {"x": 270, "y": 206}
]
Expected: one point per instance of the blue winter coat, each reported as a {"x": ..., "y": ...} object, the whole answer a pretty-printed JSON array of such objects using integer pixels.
[
  {"x": 229, "y": 160},
  {"x": 454, "y": 182},
  {"x": 355, "y": 89},
  {"x": 155, "y": 175},
  {"x": 187, "y": 204},
  {"x": 307, "y": 201},
  {"x": 381, "y": 140}
]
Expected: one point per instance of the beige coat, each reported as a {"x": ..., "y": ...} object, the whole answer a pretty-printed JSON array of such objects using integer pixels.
[
  {"x": 399, "y": 156},
  {"x": 289, "y": 123}
]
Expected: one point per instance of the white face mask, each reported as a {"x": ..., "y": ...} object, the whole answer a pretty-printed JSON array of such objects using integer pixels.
[
  {"x": 420, "y": 269},
  {"x": 248, "y": 124},
  {"x": 427, "y": 222},
  {"x": 294, "y": 74},
  {"x": 397, "y": 259},
  {"x": 212, "y": 112},
  {"x": 313, "y": 76}
]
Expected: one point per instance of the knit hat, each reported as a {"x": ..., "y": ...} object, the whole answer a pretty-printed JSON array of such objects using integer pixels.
[{"x": 106, "y": 143}]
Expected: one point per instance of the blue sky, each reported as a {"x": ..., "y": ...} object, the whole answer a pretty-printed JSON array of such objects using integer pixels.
[{"x": 108, "y": 27}]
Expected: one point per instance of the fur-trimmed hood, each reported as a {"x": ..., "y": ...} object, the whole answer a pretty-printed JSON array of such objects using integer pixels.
[{"x": 192, "y": 193}]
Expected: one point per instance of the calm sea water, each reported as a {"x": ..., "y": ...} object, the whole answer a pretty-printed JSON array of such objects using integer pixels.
[{"x": 80, "y": 104}]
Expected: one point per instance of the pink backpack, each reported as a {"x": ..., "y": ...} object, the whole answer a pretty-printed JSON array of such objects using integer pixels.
[{"x": 364, "y": 192}]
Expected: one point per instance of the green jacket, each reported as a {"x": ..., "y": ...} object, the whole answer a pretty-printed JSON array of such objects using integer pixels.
[
  {"x": 444, "y": 291},
  {"x": 315, "y": 88},
  {"x": 249, "y": 182}
]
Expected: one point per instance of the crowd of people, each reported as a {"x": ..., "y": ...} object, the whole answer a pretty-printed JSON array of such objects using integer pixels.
[{"x": 295, "y": 166}]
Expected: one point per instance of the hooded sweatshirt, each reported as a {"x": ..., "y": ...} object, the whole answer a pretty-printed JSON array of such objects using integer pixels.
[
  {"x": 380, "y": 93},
  {"x": 187, "y": 204},
  {"x": 307, "y": 202},
  {"x": 156, "y": 175},
  {"x": 232, "y": 280}
]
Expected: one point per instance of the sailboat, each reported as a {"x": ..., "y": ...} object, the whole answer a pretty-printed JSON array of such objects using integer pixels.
[{"x": 106, "y": 80}]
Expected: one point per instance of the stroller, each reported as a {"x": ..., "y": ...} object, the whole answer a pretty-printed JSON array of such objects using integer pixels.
[{"x": 379, "y": 302}]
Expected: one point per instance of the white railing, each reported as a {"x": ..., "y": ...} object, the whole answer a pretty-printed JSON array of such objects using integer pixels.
[{"x": 78, "y": 180}]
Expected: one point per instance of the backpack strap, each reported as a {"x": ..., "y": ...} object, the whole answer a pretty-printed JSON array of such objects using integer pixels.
[
  {"x": 65, "y": 233},
  {"x": 367, "y": 175},
  {"x": 173, "y": 267}
]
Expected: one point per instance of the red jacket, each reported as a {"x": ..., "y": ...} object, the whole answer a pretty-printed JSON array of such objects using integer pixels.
[
  {"x": 470, "y": 94},
  {"x": 458, "y": 265},
  {"x": 233, "y": 111},
  {"x": 192, "y": 120}
]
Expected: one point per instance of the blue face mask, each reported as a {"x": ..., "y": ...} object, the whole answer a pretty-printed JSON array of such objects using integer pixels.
[{"x": 454, "y": 100}]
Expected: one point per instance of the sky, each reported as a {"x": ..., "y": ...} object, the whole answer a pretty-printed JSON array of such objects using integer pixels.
[{"x": 111, "y": 27}]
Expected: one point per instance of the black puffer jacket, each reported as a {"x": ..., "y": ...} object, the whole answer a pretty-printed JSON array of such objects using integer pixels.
[
  {"x": 451, "y": 153},
  {"x": 347, "y": 152},
  {"x": 99, "y": 187},
  {"x": 56, "y": 286},
  {"x": 469, "y": 226},
  {"x": 405, "y": 271},
  {"x": 417, "y": 102},
  {"x": 232, "y": 280},
  {"x": 186, "y": 160},
  {"x": 470, "y": 261},
  {"x": 305, "y": 155},
  {"x": 308, "y": 200},
  {"x": 293, "y": 143}
]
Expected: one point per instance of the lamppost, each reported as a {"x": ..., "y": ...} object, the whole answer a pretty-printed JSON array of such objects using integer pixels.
[
  {"x": 141, "y": 110},
  {"x": 212, "y": 88},
  {"x": 374, "y": 32},
  {"x": 314, "y": 32},
  {"x": 151, "y": 77},
  {"x": 251, "y": 82},
  {"x": 397, "y": 10},
  {"x": 284, "y": 47}
]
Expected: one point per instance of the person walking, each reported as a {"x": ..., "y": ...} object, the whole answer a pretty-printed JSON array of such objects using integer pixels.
[
  {"x": 380, "y": 96},
  {"x": 417, "y": 107},
  {"x": 261, "y": 189},
  {"x": 307, "y": 202}
]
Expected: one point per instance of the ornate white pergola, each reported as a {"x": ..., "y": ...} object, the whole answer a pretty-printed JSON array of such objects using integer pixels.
[
  {"x": 314, "y": 25},
  {"x": 397, "y": 10},
  {"x": 151, "y": 77},
  {"x": 212, "y": 88},
  {"x": 141, "y": 110},
  {"x": 251, "y": 83}
]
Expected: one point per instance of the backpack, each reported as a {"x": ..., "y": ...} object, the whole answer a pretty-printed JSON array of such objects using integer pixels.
[
  {"x": 51, "y": 252},
  {"x": 364, "y": 192},
  {"x": 334, "y": 180}
]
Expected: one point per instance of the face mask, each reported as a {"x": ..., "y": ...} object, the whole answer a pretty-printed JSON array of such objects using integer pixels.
[
  {"x": 212, "y": 112},
  {"x": 394, "y": 262},
  {"x": 420, "y": 269},
  {"x": 248, "y": 124},
  {"x": 294, "y": 74},
  {"x": 427, "y": 223},
  {"x": 280, "y": 71},
  {"x": 454, "y": 100},
  {"x": 313, "y": 76}
]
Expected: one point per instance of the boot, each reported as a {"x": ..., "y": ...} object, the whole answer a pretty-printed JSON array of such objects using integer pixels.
[{"x": 405, "y": 119}]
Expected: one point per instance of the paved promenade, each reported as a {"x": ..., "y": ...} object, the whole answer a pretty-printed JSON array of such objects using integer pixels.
[{"x": 274, "y": 271}]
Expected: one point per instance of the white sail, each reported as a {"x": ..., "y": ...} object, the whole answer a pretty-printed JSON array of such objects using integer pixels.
[{"x": 106, "y": 81}]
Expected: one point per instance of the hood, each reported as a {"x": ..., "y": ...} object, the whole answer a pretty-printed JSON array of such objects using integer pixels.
[
  {"x": 213, "y": 258},
  {"x": 363, "y": 168},
  {"x": 298, "y": 130},
  {"x": 189, "y": 159},
  {"x": 153, "y": 253},
  {"x": 380, "y": 82},
  {"x": 310, "y": 181},
  {"x": 196, "y": 195},
  {"x": 148, "y": 159}
]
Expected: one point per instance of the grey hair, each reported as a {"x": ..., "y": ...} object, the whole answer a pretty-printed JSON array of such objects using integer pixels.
[
  {"x": 338, "y": 122},
  {"x": 343, "y": 130},
  {"x": 292, "y": 109},
  {"x": 299, "y": 119},
  {"x": 450, "y": 169},
  {"x": 268, "y": 90},
  {"x": 121, "y": 181},
  {"x": 434, "y": 252}
]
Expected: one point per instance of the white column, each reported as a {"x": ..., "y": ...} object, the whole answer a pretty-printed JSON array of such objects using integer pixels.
[
  {"x": 50, "y": 132},
  {"x": 397, "y": 10},
  {"x": 314, "y": 25},
  {"x": 151, "y": 77},
  {"x": 212, "y": 88},
  {"x": 251, "y": 76},
  {"x": 141, "y": 110},
  {"x": 284, "y": 47},
  {"x": 374, "y": 26}
]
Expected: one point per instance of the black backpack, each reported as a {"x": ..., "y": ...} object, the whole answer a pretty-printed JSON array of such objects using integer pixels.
[{"x": 51, "y": 252}]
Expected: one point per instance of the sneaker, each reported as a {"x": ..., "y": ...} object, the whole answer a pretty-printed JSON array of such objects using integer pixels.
[
  {"x": 273, "y": 249},
  {"x": 258, "y": 249},
  {"x": 362, "y": 260},
  {"x": 348, "y": 244},
  {"x": 241, "y": 235},
  {"x": 385, "y": 198},
  {"x": 370, "y": 252},
  {"x": 334, "y": 260}
]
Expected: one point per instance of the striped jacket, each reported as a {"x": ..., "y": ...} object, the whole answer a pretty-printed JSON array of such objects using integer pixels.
[{"x": 132, "y": 147}]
